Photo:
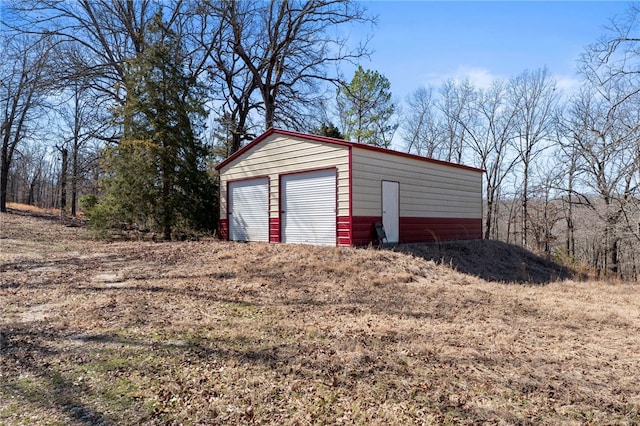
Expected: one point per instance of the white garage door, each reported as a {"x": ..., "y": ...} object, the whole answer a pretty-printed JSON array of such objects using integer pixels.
[
  {"x": 249, "y": 210},
  {"x": 309, "y": 208}
]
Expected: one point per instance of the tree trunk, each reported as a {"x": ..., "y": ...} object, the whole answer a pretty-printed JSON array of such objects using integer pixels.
[
  {"x": 269, "y": 110},
  {"x": 31, "y": 198},
  {"x": 236, "y": 142},
  {"x": 63, "y": 179},
  {"x": 525, "y": 207},
  {"x": 489, "y": 215},
  {"x": 611, "y": 257},
  {"x": 571, "y": 242},
  {"x": 76, "y": 146},
  {"x": 4, "y": 178},
  {"x": 167, "y": 211},
  {"x": 488, "y": 220},
  {"x": 74, "y": 181},
  {"x": 238, "y": 133}
]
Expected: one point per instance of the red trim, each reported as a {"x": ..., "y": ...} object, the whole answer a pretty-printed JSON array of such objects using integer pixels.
[
  {"x": 335, "y": 207},
  {"x": 223, "y": 229},
  {"x": 350, "y": 196},
  {"x": 226, "y": 216},
  {"x": 325, "y": 139},
  {"x": 362, "y": 229},
  {"x": 358, "y": 230},
  {"x": 221, "y": 220},
  {"x": 418, "y": 229},
  {"x": 423, "y": 229},
  {"x": 344, "y": 230},
  {"x": 274, "y": 229},
  {"x": 280, "y": 207}
]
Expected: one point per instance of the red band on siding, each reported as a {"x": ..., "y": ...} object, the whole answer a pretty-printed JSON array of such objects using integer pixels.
[
  {"x": 424, "y": 229},
  {"x": 223, "y": 229},
  {"x": 418, "y": 229},
  {"x": 274, "y": 229},
  {"x": 344, "y": 230},
  {"x": 362, "y": 232}
]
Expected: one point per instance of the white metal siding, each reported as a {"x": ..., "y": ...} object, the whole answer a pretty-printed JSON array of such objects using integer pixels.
[
  {"x": 309, "y": 207},
  {"x": 428, "y": 189},
  {"x": 279, "y": 154},
  {"x": 249, "y": 210}
]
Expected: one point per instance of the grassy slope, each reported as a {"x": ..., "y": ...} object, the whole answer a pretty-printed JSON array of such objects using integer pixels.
[{"x": 217, "y": 333}]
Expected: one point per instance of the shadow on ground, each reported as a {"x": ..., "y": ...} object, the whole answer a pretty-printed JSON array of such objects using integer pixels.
[{"x": 492, "y": 261}]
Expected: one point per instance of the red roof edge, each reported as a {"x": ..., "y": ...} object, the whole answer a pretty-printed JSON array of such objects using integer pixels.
[
  {"x": 245, "y": 148},
  {"x": 334, "y": 141}
]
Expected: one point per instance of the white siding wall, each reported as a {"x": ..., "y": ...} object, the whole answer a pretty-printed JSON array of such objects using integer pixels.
[
  {"x": 426, "y": 189},
  {"x": 279, "y": 154}
]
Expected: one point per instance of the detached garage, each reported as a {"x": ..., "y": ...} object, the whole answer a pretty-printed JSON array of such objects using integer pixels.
[{"x": 296, "y": 188}]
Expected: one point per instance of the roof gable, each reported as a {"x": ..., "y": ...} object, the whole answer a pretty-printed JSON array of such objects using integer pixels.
[{"x": 328, "y": 140}]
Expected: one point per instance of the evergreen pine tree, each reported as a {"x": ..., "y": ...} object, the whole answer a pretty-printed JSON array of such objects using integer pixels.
[
  {"x": 366, "y": 110},
  {"x": 157, "y": 174}
]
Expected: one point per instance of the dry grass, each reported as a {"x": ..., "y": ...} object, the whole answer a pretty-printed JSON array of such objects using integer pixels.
[
  {"x": 221, "y": 333},
  {"x": 26, "y": 208}
]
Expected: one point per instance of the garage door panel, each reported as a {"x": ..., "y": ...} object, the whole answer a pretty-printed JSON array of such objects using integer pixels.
[
  {"x": 248, "y": 210},
  {"x": 309, "y": 207}
]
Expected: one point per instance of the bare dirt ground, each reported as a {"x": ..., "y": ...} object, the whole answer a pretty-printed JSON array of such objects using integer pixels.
[{"x": 209, "y": 332}]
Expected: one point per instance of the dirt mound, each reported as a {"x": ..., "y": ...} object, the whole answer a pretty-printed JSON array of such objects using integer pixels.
[{"x": 491, "y": 261}]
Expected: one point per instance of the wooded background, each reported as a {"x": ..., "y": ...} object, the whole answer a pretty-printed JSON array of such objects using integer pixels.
[{"x": 130, "y": 104}]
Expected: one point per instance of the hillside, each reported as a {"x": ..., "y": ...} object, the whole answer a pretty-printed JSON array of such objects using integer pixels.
[{"x": 209, "y": 332}]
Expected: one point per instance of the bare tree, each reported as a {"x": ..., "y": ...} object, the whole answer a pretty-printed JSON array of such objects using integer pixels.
[
  {"x": 34, "y": 174},
  {"x": 608, "y": 140},
  {"x": 614, "y": 60},
  {"x": 534, "y": 95},
  {"x": 605, "y": 134},
  {"x": 488, "y": 137},
  {"x": 104, "y": 34},
  {"x": 288, "y": 47},
  {"x": 545, "y": 209},
  {"x": 232, "y": 83},
  {"x": 455, "y": 104},
  {"x": 567, "y": 157},
  {"x": 23, "y": 85},
  {"x": 274, "y": 57},
  {"x": 64, "y": 169},
  {"x": 422, "y": 130},
  {"x": 94, "y": 41},
  {"x": 81, "y": 121}
]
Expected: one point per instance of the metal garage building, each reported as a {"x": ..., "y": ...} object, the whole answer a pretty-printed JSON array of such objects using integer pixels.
[{"x": 296, "y": 188}]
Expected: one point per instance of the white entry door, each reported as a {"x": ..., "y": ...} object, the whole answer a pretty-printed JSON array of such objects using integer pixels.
[
  {"x": 308, "y": 208},
  {"x": 249, "y": 210},
  {"x": 391, "y": 210}
]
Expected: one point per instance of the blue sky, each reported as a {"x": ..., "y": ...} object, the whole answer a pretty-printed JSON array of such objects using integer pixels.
[{"x": 418, "y": 43}]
